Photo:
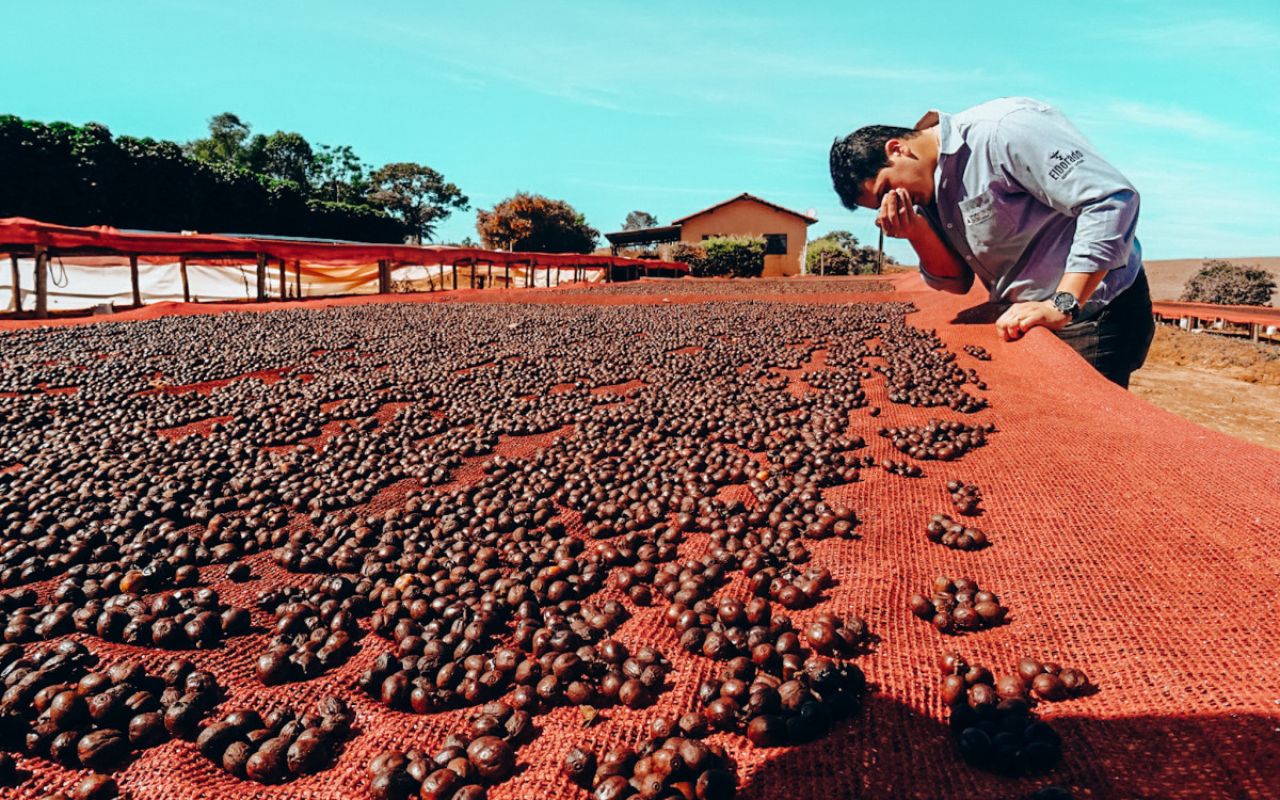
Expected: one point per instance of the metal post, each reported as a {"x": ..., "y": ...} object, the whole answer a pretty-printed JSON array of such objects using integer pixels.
[
  {"x": 42, "y": 282},
  {"x": 262, "y": 277},
  {"x": 133, "y": 279},
  {"x": 17, "y": 283},
  {"x": 186, "y": 284}
]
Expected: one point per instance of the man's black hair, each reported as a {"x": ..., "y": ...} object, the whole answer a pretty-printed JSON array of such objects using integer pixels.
[{"x": 860, "y": 156}]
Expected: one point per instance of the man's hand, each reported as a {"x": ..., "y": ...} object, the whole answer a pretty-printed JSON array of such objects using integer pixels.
[
  {"x": 897, "y": 216},
  {"x": 1022, "y": 317}
]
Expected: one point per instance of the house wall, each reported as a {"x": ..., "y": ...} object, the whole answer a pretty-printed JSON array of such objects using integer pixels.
[{"x": 748, "y": 218}]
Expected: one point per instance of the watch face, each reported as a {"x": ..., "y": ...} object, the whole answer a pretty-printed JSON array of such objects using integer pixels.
[{"x": 1065, "y": 302}]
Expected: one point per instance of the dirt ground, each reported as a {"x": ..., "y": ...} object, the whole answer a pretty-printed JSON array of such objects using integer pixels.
[{"x": 1225, "y": 384}]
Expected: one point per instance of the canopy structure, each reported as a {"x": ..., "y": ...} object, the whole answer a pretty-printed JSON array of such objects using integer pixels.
[
  {"x": 89, "y": 266},
  {"x": 1258, "y": 321}
]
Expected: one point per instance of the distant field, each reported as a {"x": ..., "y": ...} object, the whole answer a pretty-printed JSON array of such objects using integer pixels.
[{"x": 1168, "y": 277}]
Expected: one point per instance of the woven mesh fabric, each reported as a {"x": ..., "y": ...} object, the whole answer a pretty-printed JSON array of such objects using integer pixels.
[{"x": 1125, "y": 541}]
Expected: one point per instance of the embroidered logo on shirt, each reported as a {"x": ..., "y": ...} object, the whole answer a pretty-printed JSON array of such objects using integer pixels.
[
  {"x": 978, "y": 210},
  {"x": 1066, "y": 163}
]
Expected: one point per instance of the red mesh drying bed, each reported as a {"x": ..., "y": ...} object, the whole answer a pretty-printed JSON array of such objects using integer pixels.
[{"x": 1126, "y": 541}]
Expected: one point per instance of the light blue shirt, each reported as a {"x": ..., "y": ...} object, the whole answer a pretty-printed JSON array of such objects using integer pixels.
[{"x": 1023, "y": 198}]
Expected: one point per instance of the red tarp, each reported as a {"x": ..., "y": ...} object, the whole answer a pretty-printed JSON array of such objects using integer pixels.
[
  {"x": 1128, "y": 542},
  {"x": 29, "y": 232},
  {"x": 1241, "y": 315}
]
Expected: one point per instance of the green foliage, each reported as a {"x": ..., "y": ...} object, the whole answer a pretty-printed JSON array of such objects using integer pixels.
[
  {"x": 738, "y": 256},
  {"x": 225, "y": 143},
  {"x": 826, "y": 257},
  {"x": 230, "y": 181},
  {"x": 843, "y": 239},
  {"x": 533, "y": 223},
  {"x": 417, "y": 194},
  {"x": 1223, "y": 283},
  {"x": 338, "y": 174},
  {"x": 838, "y": 253},
  {"x": 639, "y": 220},
  {"x": 688, "y": 253}
]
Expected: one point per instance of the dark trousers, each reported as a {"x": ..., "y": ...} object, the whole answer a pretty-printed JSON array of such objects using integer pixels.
[{"x": 1116, "y": 339}]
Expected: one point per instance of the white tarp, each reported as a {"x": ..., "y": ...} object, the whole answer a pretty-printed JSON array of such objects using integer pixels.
[{"x": 79, "y": 286}]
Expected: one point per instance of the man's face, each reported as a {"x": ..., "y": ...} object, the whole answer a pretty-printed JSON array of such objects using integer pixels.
[{"x": 906, "y": 170}]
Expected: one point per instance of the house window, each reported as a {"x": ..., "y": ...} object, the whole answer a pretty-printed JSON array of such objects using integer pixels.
[
  {"x": 775, "y": 244},
  {"x": 707, "y": 236}
]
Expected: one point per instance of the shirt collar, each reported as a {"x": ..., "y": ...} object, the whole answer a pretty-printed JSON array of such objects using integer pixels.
[{"x": 948, "y": 141}]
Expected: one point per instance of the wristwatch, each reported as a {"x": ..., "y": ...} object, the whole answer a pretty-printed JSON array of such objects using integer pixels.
[{"x": 1067, "y": 303}]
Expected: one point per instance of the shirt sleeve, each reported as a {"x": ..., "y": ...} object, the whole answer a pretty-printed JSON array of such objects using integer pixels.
[
  {"x": 957, "y": 285},
  {"x": 1043, "y": 154}
]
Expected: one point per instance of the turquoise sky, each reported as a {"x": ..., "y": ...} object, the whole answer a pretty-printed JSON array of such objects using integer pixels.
[{"x": 671, "y": 107}]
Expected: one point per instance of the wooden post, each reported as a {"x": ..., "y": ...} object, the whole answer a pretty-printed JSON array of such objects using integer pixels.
[
  {"x": 297, "y": 278},
  {"x": 284, "y": 282},
  {"x": 17, "y": 283},
  {"x": 880, "y": 256},
  {"x": 1254, "y": 327},
  {"x": 42, "y": 282},
  {"x": 384, "y": 276},
  {"x": 133, "y": 279},
  {"x": 455, "y": 275},
  {"x": 506, "y": 275},
  {"x": 262, "y": 277},
  {"x": 186, "y": 282}
]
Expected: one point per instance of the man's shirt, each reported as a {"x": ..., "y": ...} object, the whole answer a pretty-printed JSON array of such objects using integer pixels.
[{"x": 1023, "y": 197}]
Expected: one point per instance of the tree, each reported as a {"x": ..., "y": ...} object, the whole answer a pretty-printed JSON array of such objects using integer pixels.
[
  {"x": 284, "y": 157},
  {"x": 82, "y": 175},
  {"x": 417, "y": 194},
  {"x": 843, "y": 239},
  {"x": 339, "y": 175},
  {"x": 639, "y": 220},
  {"x": 1223, "y": 283},
  {"x": 535, "y": 223},
  {"x": 825, "y": 257},
  {"x": 838, "y": 253},
  {"x": 225, "y": 143}
]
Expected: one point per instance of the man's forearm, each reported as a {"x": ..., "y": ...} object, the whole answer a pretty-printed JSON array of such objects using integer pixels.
[{"x": 1081, "y": 284}]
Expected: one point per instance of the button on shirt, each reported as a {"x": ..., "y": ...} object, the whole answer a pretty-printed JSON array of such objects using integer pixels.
[{"x": 1023, "y": 198}]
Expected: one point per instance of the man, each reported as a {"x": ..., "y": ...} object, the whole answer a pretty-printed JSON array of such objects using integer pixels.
[{"x": 1011, "y": 192}]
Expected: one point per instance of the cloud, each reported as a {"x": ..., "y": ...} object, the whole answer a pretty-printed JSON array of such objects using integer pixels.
[
  {"x": 1174, "y": 120},
  {"x": 1207, "y": 34},
  {"x": 1190, "y": 209}
]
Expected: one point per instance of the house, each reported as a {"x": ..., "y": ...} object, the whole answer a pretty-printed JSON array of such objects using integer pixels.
[{"x": 785, "y": 232}]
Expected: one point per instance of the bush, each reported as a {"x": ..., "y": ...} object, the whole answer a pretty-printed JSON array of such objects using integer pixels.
[
  {"x": 1226, "y": 284},
  {"x": 825, "y": 257},
  {"x": 738, "y": 256},
  {"x": 688, "y": 253}
]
